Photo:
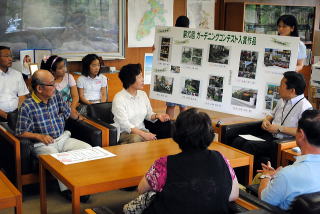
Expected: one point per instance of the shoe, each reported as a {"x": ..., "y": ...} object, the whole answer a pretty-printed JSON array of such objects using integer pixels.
[{"x": 68, "y": 195}]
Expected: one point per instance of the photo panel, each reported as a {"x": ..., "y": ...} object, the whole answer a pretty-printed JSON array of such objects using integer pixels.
[
  {"x": 175, "y": 69},
  {"x": 277, "y": 58},
  {"x": 163, "y": 84},
  {"x": 248, "y": 64},
  {"x": 219, "y": 54},
  {"x": 165, "y": 49},
  {"x": 215, "y": 89},
  {"x": 191, "y": 56},
  {"x": 244, "y": 97},
  {"x": 272, "y": 96},
  {"x": 190, "y": 87}
]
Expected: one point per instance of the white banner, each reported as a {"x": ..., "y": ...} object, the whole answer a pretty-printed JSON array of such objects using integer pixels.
[{"x": 236, "y": 73}]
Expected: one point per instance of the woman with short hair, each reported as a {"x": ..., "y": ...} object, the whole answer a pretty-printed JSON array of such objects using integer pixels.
[
  {"x": 197, "y": 180},
  {"x": 131, "y": 106}
]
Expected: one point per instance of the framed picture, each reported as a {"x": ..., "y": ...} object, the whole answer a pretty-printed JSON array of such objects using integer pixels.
[
  {"x": 33, "y": 68},
  {"x": 72, "y": 30}
]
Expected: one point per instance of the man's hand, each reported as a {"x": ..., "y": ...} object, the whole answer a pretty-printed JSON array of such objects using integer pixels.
[
  {"x": 268, "y": 169},
  {"x": 265, "y": 124},
  {"x": 46, "y": 139},
  {"x": 148, "y": 136},
  {"x": 163, "y": 117},
  {"x": 273, "y": 128}
]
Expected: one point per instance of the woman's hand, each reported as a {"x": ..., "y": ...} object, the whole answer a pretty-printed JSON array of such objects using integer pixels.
[{"x": 148, "y": 136}]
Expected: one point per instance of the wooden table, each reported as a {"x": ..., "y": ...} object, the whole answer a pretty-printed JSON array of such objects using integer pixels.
[
  {"x": 124, "y": 170},
  {"x": 288, "y": 155},
  {"x": 9, "y": 195}
]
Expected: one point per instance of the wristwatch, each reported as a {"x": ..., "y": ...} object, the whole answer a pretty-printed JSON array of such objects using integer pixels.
[{"x": 265, "y": 176}]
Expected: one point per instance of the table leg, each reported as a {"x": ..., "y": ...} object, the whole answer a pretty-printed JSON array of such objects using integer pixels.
[
  {"x": 250, "y": 170},
  {"x": 75, "y": 202},
  {"x": 18, "y": 208},
  {"x": 43, "y": 191}
]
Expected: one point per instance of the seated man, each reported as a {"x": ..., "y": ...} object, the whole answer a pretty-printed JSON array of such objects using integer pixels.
[
  {"x": 12, "y": 86},
  {"x": 283, "y": 121},
  {"x": 42, "y": 118},
  {"x": 279, "y": 187}
]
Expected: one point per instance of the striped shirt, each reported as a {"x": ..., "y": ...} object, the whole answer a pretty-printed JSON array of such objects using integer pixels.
[{"x": 36, "y": 116}]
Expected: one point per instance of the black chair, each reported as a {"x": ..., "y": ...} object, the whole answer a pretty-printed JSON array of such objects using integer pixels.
[
  {"x": 101, "y": 114},
  {"x": 230, "y": 132},
  {"x": 20, "y": 165},
  {"x": 307, "y": 204}
]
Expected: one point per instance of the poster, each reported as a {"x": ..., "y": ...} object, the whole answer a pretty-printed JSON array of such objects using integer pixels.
[
  {"x": 143, "y": 17},
  {"x": 231, "y": 72},
  {"x": 148, "y": 58},
  {"x": 201, "y": 13}
]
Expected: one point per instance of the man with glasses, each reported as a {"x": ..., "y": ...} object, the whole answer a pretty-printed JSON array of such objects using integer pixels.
[
  {"x": 42, "y": 118},
  {"x": 13, "y": 89}
]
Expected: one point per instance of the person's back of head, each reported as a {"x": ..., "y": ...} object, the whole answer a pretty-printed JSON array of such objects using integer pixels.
[
  {"x": 310, "y": 124},
  {"x": 295, "y": 80},
  {"x": 182, "y": 21},
  {"x": 193, "y": 130}
]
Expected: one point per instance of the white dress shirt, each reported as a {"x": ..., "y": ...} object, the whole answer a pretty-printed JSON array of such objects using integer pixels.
[
  {"x": 130, "y": 111},
  {"x": 12, "y": 86},
  {"x": 92, "y": 87},
  {"x": 284, "y": 117}
]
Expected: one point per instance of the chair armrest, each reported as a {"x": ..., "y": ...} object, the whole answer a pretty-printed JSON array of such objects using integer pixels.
[
  {"x": 306, "y": 203},
  {"x": 259, "y": 203},
  {"x": 283, "y": 145},
  {"x": 230, "y": 132},
  {"x": 112, "y": 130},
  {"x": 85, "y": 132}
]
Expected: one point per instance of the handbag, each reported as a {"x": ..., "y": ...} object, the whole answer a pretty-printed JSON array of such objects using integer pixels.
[{"x": 138, "y": 205}]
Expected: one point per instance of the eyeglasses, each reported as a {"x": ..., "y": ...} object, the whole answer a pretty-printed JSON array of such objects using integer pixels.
[
  {"x": 7, "y": 56},
  {"x": 52, "y": 85}
]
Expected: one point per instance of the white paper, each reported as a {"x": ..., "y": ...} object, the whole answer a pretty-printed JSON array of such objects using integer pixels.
[
  {"x": 201, "y": 13},
  {"x": 144, "y": 16},
  {"x": 251, "y": 137},
  {"x": 82, "y": 155}
]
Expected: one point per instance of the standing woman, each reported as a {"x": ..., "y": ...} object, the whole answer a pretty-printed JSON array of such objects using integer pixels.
[
  {"x": 288, "y": 26},
  {"x": 64, "y": 82},
  {"x": 91, "y": 85}
]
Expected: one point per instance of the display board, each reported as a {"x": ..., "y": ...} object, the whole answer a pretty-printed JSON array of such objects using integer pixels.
[{"x": 231, "y": 72}]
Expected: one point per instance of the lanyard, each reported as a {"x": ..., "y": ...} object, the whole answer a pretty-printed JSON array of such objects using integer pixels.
[{"x": 282, "y": 121}]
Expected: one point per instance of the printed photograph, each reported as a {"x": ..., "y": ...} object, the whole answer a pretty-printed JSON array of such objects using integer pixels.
[
  {"x": 215, "y": 88},
  {"x": 163, "y": 84},
  {"x": 244, "y": 97},
  {"x": 219, "y": 54},
  {"x": 191, "y": 87},
  {"x": 165, "y": 44},
  {"x": 277, "y": 57},
  {"x": 272, "y": 97},
  {"x": 248, "y": 64},
  {"x": 191, "y": 56},
  {"x": 175, "y": 69}
]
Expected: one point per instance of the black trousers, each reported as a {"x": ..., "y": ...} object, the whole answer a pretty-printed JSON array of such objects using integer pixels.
[{"x": 263, "y": 151}]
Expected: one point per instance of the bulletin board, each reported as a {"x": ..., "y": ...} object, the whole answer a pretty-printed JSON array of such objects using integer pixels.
[{"x": 231, "y": 72}]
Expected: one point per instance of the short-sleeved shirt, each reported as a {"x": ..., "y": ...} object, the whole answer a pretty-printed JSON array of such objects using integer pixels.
[
  {"x": 36, "y": 116},
  {"x": 130, "y": 111},
  {"x": 302, "y": 51},
  {"x": 12, "y": 86},
  {"x": 157, "y": 174},
  {"x": 92, "y": 87},
  {"x": 64, "y": 87},
  {"x": 300, "y": 178},
  {"x": 282, "y": 109}
]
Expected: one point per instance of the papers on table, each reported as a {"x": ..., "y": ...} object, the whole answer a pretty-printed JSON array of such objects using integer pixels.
[
  {"x": 251, "y": 137},
  {"x": 82, "y": 155}
]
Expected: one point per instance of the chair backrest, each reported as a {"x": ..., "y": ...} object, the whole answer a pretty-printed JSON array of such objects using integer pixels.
[
  {"x": 306, "y": 204},
  {"x": 101, "y": 111}
]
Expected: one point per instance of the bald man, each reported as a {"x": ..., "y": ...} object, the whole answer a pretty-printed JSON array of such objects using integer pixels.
[{"x": 42, "y": 118}]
